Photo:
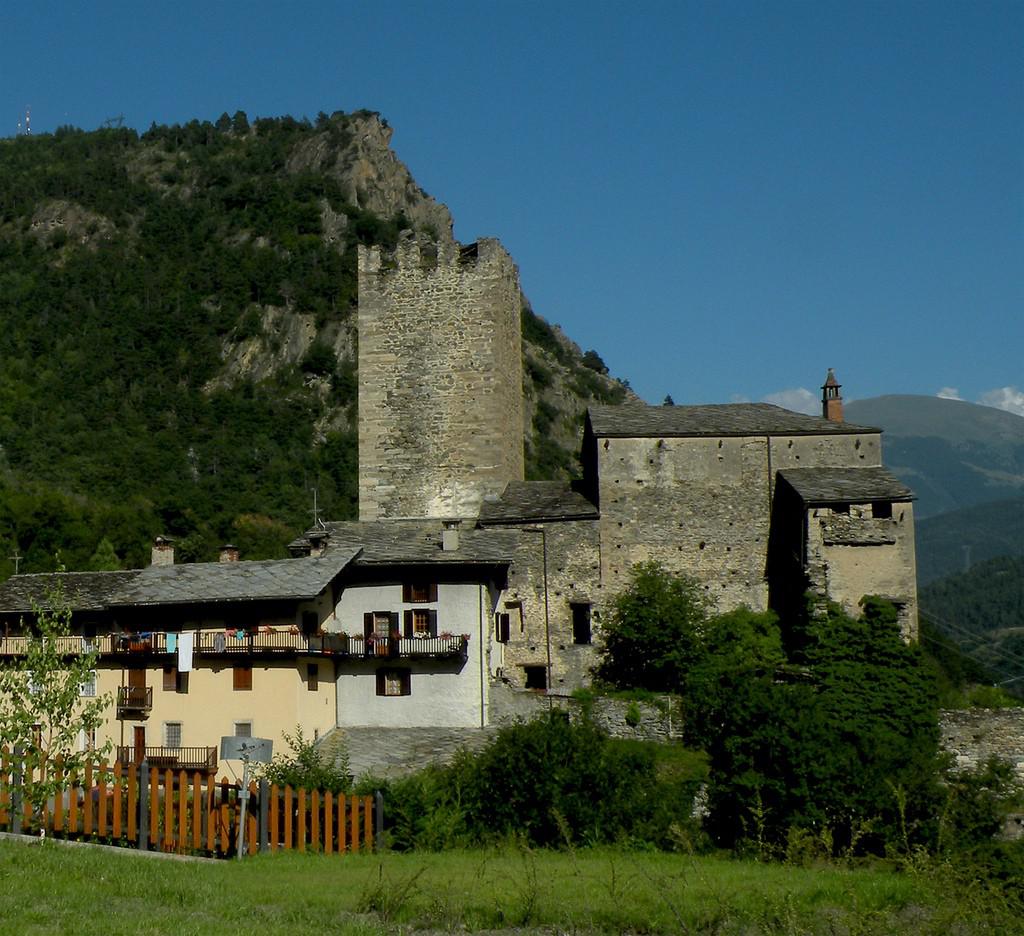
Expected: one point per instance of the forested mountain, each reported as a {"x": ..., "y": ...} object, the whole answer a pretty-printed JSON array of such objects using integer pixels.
[
  {"x": 177, "y": 350},
  {"x": 951, "y": 453},
  {"x": 982, "y": 610}
]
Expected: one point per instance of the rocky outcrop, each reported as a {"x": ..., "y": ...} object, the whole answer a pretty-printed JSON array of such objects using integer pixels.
[{"x": 356, "y": 151}]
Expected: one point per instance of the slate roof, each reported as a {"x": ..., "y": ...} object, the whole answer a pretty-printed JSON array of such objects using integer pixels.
[
  {"x": 194, "y": 582},
  {"x": 188, "y": 583},
  {"x": 83, "y": 591},
  {"x": 415, "y": 542},
  {"x": 531, "y": 501},
  {"x": 718, "y": 419},
  {"x": 845, "y": 485}
]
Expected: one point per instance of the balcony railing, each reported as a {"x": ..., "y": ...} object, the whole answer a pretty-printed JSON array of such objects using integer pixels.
[
  {"x": 132, "y": 699},
  {"x": 395, "y": 647},
  {"x": 172, "y": 758},
  {"x": 267, "y": 642}
]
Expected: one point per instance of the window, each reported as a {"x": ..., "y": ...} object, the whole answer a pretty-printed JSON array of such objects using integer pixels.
[
  {"x": 242, "y": 678},
  {"x": 382, "y": 621},
  {"x": 502, "y": 626},
  {"x": 312, "y": 677},
  {"x": 882, "y": 510},
  {"x": 536, "y": 677},
  {"x": 87, "y": 689},
  {"x": 420, "y": 622},
  {"x": 87, "y": 740},
  {"x": 310, "y": 623},
  {"x": 243, "y": 729},
  {"x": 172, "y": 734},
  {"x": 419, "y": 592},
  {"x": 580, "y": 622},
  {"x": 394, "y": 682},
  {"x": 170, "y": 679}
]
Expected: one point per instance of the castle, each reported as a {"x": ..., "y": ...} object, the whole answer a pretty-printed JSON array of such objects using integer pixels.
[{"x": 462, "y": 582}]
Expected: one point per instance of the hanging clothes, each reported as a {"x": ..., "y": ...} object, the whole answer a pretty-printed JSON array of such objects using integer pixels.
[
  {"x": 172, "y": 643},
  {"x": 185, "y": 642}
]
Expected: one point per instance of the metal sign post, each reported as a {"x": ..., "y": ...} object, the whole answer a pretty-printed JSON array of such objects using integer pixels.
[{"x": 247, "y": 750}]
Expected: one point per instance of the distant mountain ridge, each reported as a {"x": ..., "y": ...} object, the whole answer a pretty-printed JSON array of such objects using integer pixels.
[{"x": 951, "y": 453}]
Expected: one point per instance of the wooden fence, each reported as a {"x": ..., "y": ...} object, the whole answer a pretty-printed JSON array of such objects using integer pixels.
[{"x": 138, "y": 806}]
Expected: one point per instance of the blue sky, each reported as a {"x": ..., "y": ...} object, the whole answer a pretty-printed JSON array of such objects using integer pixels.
[{"x": 723, "y": 199}]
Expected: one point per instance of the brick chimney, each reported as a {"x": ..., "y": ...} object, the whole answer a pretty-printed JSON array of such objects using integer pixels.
[
  {"x": 831, "y": 401},
  {"x": 163, "y": 552},
  {"x": 229, "y": 553}
]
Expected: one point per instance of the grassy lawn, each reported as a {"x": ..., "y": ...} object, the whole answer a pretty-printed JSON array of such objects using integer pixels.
[{"x": 52, "y": 889}]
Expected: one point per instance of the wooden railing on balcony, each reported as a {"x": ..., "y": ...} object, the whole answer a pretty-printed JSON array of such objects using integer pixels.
[
  {"x": 254, "y": 641},
  {"x": 174, "y": 758},
  {"x": 395, "y": 647},
  {"x": 134, "y": 698}
]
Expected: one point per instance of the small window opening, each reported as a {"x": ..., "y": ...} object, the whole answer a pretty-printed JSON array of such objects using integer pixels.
[
  {"x": 536, "y": 677},
  {"x": 882, "y": 509},
  {"x": 581, "y": 629}
]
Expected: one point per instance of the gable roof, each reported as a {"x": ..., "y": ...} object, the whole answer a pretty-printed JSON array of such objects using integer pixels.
[
  {"x": 195, "y": 582},
  {"x": 188, "y": 583},
  {"x": 717, "y": 419},
  {"x": 81, "y": 591},
  {"x": 531, "y": 501},
  {"x": 413, "y": 542},
  {"x": 845, "y": 485}
]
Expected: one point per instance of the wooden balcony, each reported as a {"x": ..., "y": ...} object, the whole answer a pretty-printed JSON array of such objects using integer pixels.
[
  {"x": 203, "y": 759},
  {"x": 257, "y": 642},
  {"x": 134, "y": 701},
  {"x": 393, "y": 648}
]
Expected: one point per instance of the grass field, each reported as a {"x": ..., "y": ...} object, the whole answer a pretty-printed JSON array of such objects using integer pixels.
[{"x": 55, "y": 889}]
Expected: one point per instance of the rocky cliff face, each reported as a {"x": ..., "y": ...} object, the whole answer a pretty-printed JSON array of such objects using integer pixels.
[{"x": 372, "y": 177}]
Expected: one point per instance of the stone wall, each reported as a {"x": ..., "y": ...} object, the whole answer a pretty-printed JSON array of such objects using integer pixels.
[
  {"x": 855, "y": 554},
  {"x": 972, "y": 736},
  {"x": 440, "y": 378},
  {"x": 539, "y": 600},
  {"x": 660, "y": 721}
]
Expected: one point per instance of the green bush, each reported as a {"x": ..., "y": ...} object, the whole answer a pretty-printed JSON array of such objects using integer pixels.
[{"x": 305, "y": 767}]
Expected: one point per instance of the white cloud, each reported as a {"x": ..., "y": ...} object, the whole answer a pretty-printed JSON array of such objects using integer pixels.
[
  {"x": 798, "y": 399},
  {"x": 1005, "y": 398},
  {"x": 949, "y": 393}
]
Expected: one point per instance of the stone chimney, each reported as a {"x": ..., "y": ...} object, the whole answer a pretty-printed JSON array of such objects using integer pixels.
[
  {"x": 229, "y": 553},
  {"x": 317, "y": 542},
  {"x": 831, "y": 401},
  {"x": 163, "y": 552},
  {"x": 450, "y": 535}
]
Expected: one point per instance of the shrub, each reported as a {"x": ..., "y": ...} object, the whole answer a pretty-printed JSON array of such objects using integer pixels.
[{"x": 307, "y": 768}]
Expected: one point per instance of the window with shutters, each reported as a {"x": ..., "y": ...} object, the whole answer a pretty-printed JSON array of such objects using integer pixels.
[
  {"x": 241, "y": 678},
  {"x": 419, "y": 622},
  {"x": 394, "y": 682},
  {"x": 419, "y": 592}
]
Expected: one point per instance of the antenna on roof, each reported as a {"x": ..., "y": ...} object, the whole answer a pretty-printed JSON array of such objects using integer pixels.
[
  {"x": 16, "y": 559},
  {"x": 317, "y": 522}
]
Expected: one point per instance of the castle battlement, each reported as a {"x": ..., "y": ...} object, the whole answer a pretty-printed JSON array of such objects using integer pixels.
[{"x": 417, "y": 254}]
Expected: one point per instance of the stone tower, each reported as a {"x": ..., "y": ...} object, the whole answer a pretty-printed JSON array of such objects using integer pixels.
[{"x": 440, "y": 378}]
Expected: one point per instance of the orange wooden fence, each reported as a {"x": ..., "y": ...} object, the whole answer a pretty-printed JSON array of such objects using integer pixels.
[{"x": 144, "y": 807}]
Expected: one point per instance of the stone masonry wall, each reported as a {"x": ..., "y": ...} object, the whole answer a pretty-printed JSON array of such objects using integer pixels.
[
  {"x": 440, "y": 379},
  {"x": 700, "y": 506},
  {"x": 573, "y": 576},
  {"x": 972, "y": 736}
]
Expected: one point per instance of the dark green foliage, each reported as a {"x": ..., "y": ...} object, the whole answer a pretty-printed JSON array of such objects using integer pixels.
[
  {"x": 652, "y": 635},
  {"x": 536, "y": 782},
  {"x": 593, "y": 360},
  {"x": 305, "y": 767},
  {"x": 847, "y": 742},
  {"x": 319, "y": 360}
]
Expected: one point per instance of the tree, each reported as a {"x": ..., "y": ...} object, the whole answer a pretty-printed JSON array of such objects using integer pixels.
[
  {"x": 653, "y": 632},
  {"x": 49, "y": 702},
  {"x": 842, "y": 740}
]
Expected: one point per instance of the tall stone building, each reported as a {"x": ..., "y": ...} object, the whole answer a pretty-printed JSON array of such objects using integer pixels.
[{"x": 440, "y": 379}]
